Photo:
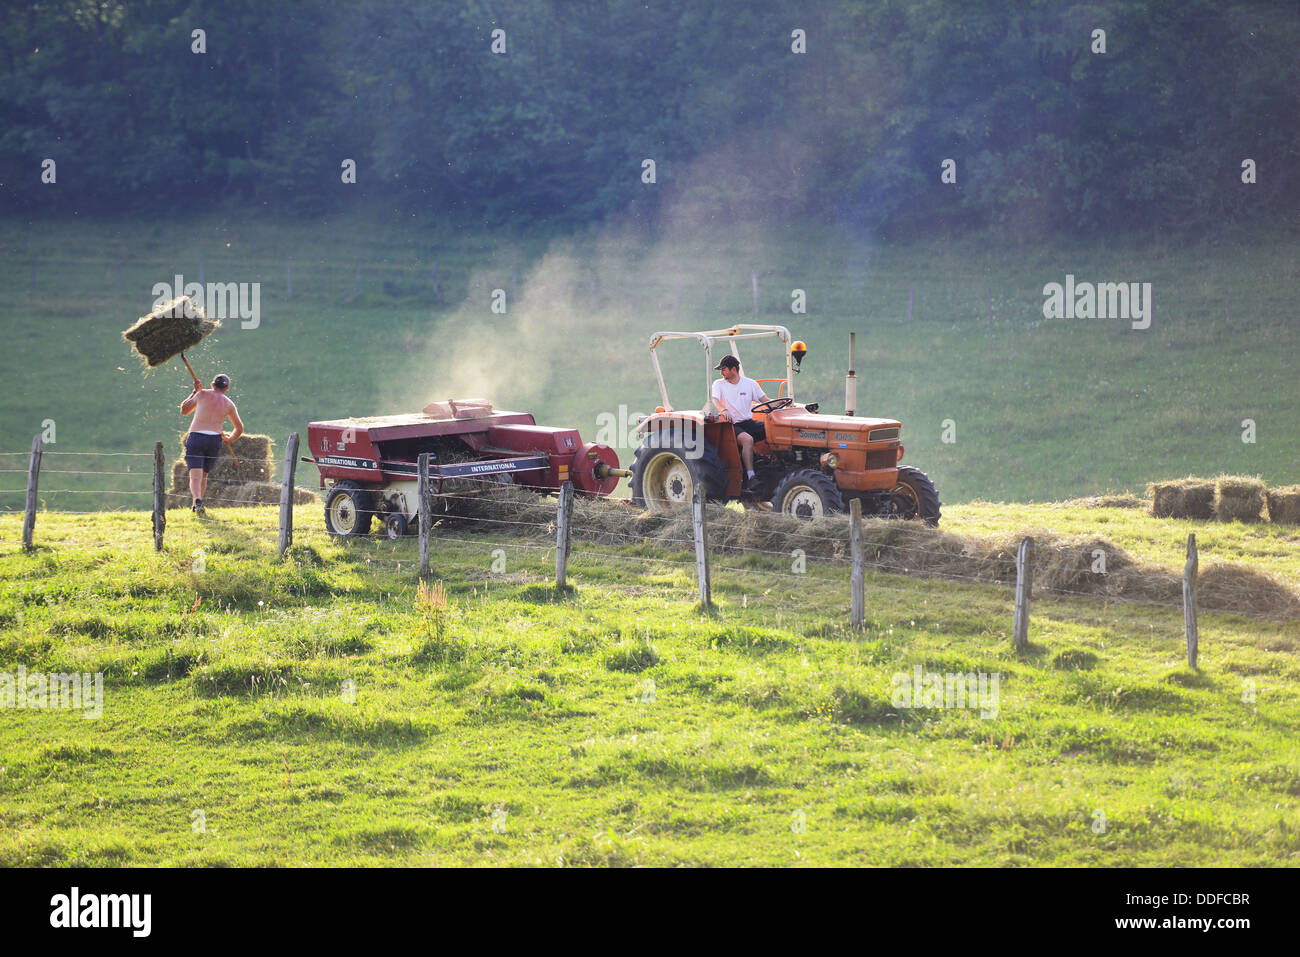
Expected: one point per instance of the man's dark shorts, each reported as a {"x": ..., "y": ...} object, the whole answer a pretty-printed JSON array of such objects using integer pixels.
[
  {"x": 753, "y": 427},
  {"x": 201, "y": 451}
]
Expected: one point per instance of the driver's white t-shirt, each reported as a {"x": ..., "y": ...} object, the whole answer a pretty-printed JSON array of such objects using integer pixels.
[{"x": 739, "y": 398}]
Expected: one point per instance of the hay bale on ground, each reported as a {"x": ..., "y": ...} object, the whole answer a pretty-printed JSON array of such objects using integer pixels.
[
  {"x": 256, "y": 448},
  {"x": 1198, "y": 500},
  {"x": 169, "y": 330},
  {"x": 1284, "y": 505},
  {"x": 1184, "y": 498},
  {"x": 1166, "y": 498},
  {"x": 1238, "y": 498},
  {"x": 224, "y": 472},
  {"x": 256, "y": 464}
]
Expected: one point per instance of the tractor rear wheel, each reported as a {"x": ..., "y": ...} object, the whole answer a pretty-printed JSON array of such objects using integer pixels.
[
  {"x": 914, "y": 496},
  {"x": 807, "y": 494},
  {"x": 665, "y": 471},
  {"x": 348, "y": 510}
]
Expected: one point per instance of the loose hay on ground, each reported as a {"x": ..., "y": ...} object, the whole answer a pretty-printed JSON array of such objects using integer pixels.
[
  {"x": 1063, "y": 566},
  {"x": 1125, "y": 500}
]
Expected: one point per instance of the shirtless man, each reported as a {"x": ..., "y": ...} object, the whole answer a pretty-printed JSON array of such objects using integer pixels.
[{"x": 203, "y": 443}]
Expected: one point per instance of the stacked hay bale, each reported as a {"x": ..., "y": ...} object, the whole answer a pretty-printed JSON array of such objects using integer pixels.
[
  {"x": 1185, "y": 498},
  {"x": 229, "y": 484},
  {"x": 1284, "y": 505},
  {"x": 1238, "y": 498}
]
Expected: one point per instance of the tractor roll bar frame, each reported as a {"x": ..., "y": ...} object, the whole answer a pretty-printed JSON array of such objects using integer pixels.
[{"x": 706, "y": 339}]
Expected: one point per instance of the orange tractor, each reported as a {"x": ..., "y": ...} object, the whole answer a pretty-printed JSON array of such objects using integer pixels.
[{"x": 807, "y": 464}]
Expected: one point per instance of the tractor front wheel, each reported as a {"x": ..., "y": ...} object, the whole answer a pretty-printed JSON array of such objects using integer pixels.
[
  {"x": 914, "y": 496},
  {"x": 348, "y": 510},
  {"x": 807, "y": 494}
]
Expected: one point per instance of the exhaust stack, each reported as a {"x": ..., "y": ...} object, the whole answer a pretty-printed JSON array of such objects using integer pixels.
[{"x": 851, "y": 381}]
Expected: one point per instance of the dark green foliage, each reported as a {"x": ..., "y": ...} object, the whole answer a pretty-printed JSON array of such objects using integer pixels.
[{"x": 1048, "y": 135}]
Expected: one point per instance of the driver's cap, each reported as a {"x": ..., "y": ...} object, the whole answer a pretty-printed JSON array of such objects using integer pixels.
[{"x": 728, "y": 362}]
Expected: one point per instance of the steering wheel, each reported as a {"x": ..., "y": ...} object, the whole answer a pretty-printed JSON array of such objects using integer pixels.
[{"x": 772, "y": 405}]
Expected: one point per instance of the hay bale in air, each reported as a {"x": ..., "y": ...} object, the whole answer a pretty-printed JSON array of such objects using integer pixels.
[
  {"x": 1284, "y": 505},
  {"x": 1238, "y": 498},
  {"x": 169, "y": 330}
]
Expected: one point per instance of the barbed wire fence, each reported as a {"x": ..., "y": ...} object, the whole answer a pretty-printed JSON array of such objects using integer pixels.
[{"x": 544, "y": 528}]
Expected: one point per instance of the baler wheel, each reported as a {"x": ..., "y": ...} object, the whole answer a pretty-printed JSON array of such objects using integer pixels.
[
  {"x": 395, "y": 526},
  {"x": 348, "y": 510}
]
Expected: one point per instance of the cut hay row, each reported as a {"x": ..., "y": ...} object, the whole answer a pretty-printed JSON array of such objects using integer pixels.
[
  {"x": 1105, "y": 501},
  {"x": 1062, "y": 565},
  {"x": 241, "y": 494}
]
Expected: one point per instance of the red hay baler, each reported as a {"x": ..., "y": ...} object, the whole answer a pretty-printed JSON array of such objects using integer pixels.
[{"x": 373, "y": 461}]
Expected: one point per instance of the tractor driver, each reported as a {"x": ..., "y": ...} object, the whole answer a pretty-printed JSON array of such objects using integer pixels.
[{"x": 734, "y": 396}]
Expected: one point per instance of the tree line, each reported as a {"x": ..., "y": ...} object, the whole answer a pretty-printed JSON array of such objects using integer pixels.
[{"x": 903, "y": 115}]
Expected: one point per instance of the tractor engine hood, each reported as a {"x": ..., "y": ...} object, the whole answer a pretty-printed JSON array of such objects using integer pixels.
[{"x": 798, "y": 418}]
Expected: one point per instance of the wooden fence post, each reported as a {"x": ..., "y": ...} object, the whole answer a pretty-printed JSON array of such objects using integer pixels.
[
  {"x": 857, "y": 582},
  {"x": 33, "y": 474},
  {"x": 1189, "y": 601},
  {"x": 286, "y": 493},
  {"x": 426, "y": 512},
  {"x": 563, "y": 513},
  {"x": 701, "y": 545},
  {"x": 1024, "y": 587},
  {"x": 159, "y": 496}
]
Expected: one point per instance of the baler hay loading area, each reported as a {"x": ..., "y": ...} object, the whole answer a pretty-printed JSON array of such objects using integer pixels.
[{"x": 374, "y": 461}]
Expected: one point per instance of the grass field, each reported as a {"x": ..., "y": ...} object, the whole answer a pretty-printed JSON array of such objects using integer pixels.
[
  {"x": 1040, "y": 409},
  {"x": 314, "y": 711}
]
